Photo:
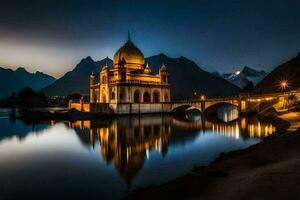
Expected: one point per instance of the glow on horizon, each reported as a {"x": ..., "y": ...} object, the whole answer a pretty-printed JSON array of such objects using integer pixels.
[
  {"x": 57, "y": 59},
  {"x": 47, "y": 59}
]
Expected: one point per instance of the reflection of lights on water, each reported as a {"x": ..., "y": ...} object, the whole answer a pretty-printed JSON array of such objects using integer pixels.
[
  {"x": 147, "y": 153},
  {"x": 109, "y": 137},
  {"x": 127, "y": 154},
  {"x": 254, "y": 130},
  {"x": 237, "y": 131},
  {"x": 266, "y": 130},
  {"x": 260, "y": 131},
  {"x": 158, "y": 145},
  {"x": 251, "y": 130},
  {"x": 227, "y": 130},
  {"x": 243, "y": 122},
  {"x": 225, "y": 117},
  {"x": 228, "y": 113}
]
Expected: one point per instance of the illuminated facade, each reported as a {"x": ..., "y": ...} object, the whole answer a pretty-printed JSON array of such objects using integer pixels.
[{"x": 130, "y": 81}]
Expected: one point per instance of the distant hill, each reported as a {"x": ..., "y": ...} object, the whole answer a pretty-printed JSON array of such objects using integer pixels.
[
  {"x": 77, "y": 80},
  {"x": 289, "y": 71},
  {"x": 241, "y": 78},
  {"x": 185, "y": 76},
  {"x": 14, "y": 80}
]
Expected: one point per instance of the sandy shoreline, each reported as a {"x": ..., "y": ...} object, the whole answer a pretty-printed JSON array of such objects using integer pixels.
[{"x": 268, "y": 170}]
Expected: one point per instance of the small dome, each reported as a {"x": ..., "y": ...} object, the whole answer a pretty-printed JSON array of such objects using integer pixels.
[
  {"x": 163, "y": 68},
  {"x": 104, "y": 67},
  {"x": 147, "y": 69},
  {"x": 129, "y": 54}
]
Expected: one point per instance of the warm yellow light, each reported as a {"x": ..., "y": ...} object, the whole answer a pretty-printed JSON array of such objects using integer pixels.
[
  {"x": 284, "y": 84},
  {"x": 202, "y": 97}
]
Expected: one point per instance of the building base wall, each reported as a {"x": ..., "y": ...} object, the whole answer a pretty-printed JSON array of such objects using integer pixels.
[{"x": 130, "y": 108}]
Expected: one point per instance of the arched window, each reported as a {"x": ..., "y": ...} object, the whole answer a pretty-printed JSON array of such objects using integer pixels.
[
  {"x": 156, "y": 97},
  {"x": 166, "y": 97},
  {"x": 103, "y": 79},
  {"x": 136, "y": 97},
  {"x": 122, "y": 94},
  {"x": 146, "y": 97},
  {"x": 103, "y": 98},
  {"x": 95, "y": 96},
  {"x": 112, "y": 95}
]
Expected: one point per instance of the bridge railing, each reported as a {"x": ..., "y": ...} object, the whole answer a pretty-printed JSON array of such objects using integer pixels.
[
  {"x": 238, "y": 97},
  {"x": 207, "y": 99},
  {"x": 276, "y": 94}
]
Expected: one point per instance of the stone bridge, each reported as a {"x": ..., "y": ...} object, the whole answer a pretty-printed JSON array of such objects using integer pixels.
[
  {"x": 204, "y": 105},
  {"x": 245, "y": 102}
]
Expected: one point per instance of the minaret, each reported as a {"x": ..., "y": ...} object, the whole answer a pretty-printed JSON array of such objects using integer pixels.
[
  {"x": 164, "y": 75},
  {"x": 104, "y": 79},
  {"x": 92, "y": 89},
  {"x": 147, "y": 69}
]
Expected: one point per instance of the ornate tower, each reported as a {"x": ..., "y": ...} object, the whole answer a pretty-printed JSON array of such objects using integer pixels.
[
  {"x": 93, "y": 97},
  {"x": 164, "y": 80},
  {"x": 164, "y": 75},
  {"x": 104, "y": 95}
]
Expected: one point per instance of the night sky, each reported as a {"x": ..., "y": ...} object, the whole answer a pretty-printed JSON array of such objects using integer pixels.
[{"x": 53, "y": 36}]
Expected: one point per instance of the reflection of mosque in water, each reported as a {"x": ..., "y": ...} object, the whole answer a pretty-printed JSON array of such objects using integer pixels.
[{"x": 126, "y": 141}]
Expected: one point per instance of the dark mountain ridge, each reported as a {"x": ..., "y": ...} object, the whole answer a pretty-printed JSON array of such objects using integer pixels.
[
  {"x": 247, "y": 71},
  {"x": 77, "y": 80},
  {"x": 185, "y": 76},
  {"x": 288, "y": 71},
  {"x": 14, "y": 80}
]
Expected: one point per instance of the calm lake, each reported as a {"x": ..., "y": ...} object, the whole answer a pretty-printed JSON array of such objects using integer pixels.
[{"x": 106, "y": 159}]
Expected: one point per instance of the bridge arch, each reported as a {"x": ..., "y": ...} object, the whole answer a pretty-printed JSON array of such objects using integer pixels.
[
  {"x": 213, "y": 107},
  {"x": 185, "y": 107}
]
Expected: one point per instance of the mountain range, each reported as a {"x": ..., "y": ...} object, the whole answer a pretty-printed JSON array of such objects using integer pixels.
[
  {"x": 185, "y": 76},
  {"x": 77, "y": 80},
  {"x": 288, "y": 71},
  {"x": 12, "y": 81},
  {"x": 242, "y": 78}
]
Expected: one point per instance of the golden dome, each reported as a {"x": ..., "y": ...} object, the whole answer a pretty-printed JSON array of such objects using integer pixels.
[{"x": 129, "y": 54}]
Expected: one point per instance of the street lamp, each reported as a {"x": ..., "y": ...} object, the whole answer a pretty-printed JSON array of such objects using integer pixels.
[{"x": 284, "y": 84}]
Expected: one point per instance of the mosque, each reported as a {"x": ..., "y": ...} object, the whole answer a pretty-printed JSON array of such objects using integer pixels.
[{"x": 130, "y": 86}]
